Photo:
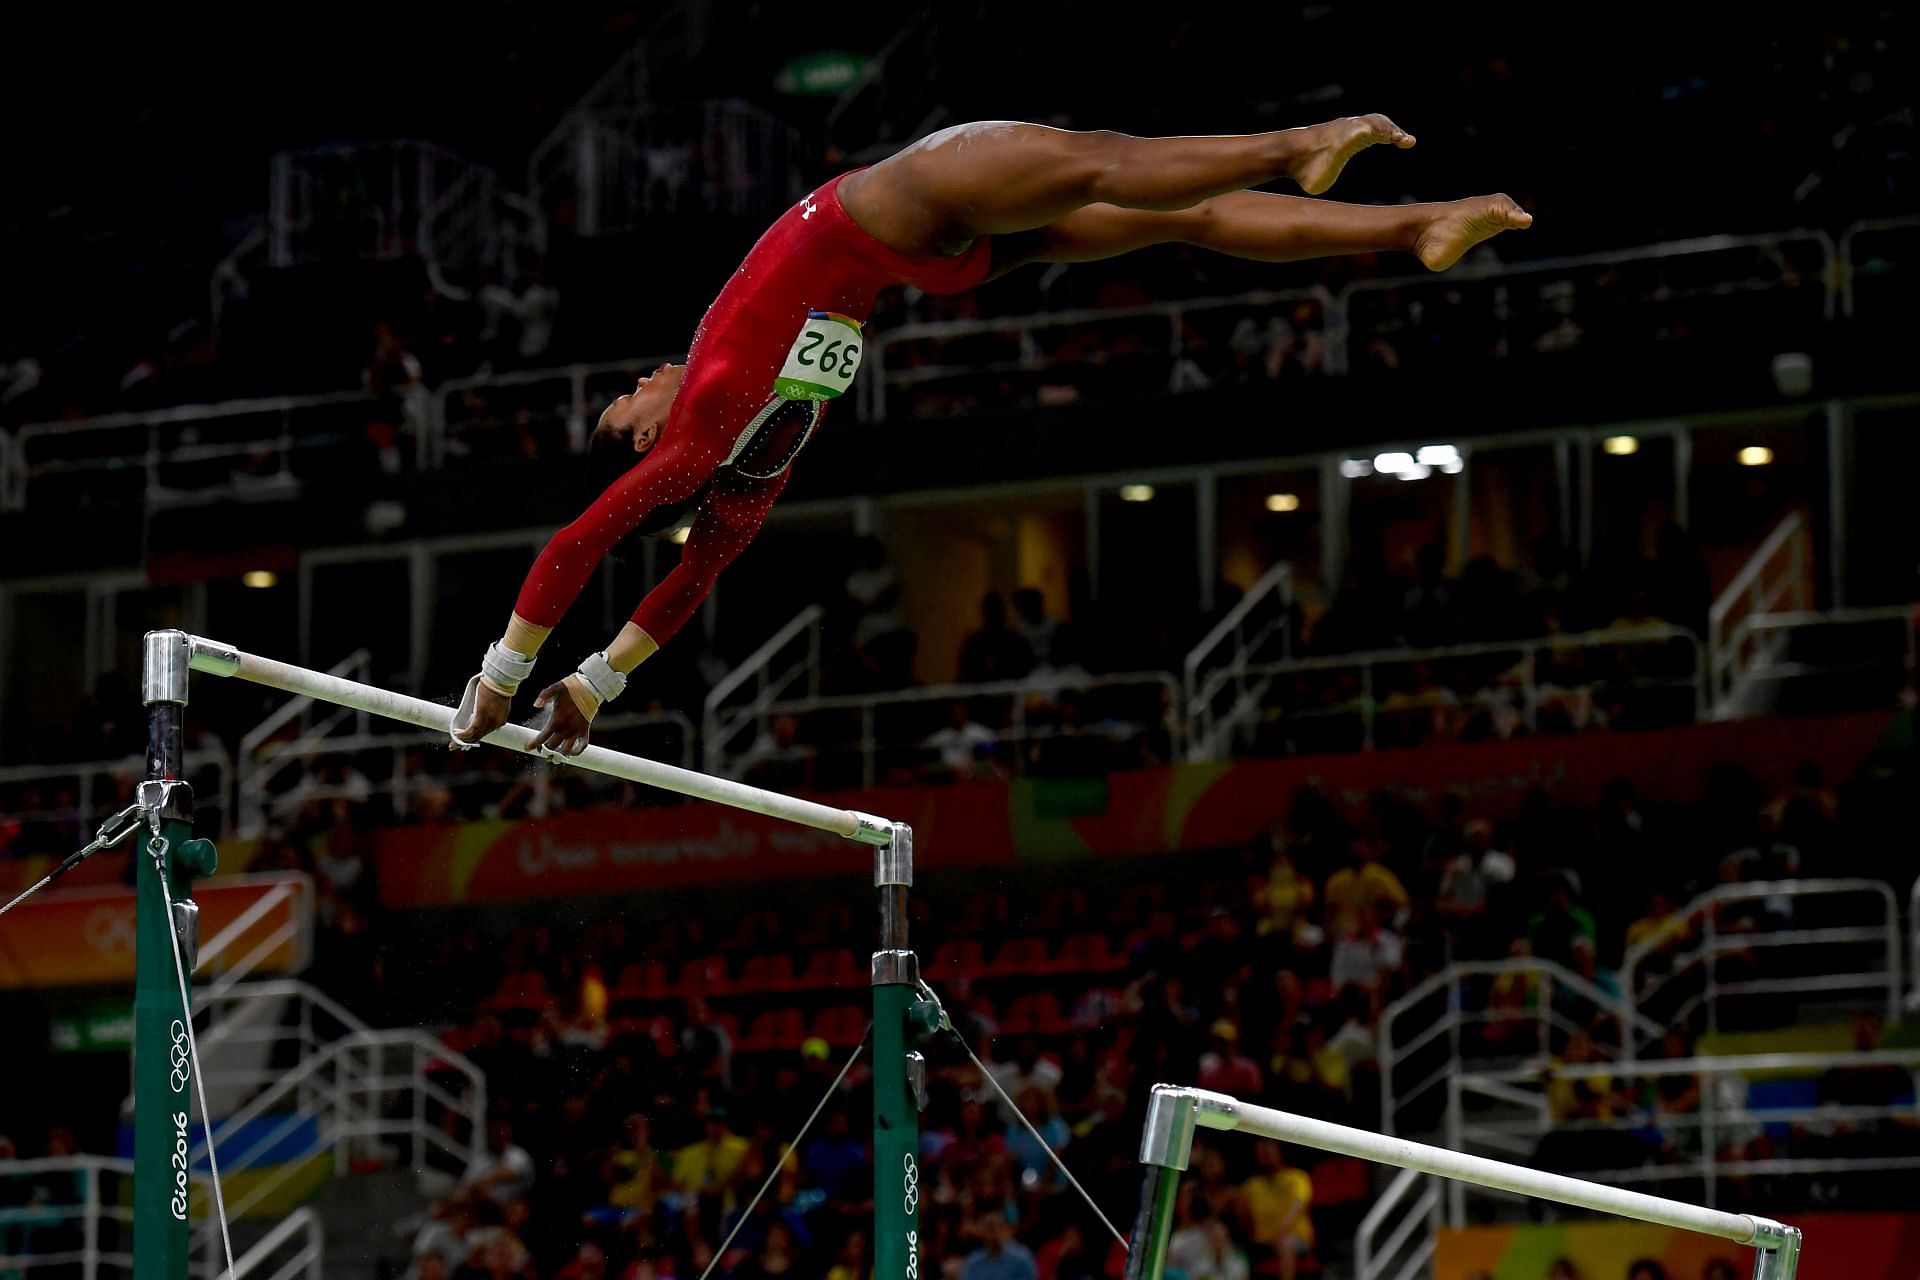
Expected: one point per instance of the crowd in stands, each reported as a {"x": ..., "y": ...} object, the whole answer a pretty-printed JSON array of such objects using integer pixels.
[{"x": 647, "y": 1071}]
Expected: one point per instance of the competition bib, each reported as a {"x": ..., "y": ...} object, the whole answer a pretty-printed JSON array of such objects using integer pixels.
[{"x": 823, "y": 359}]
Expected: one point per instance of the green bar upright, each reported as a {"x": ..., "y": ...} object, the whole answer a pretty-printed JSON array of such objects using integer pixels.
[{"x": 896, "y": 1113}]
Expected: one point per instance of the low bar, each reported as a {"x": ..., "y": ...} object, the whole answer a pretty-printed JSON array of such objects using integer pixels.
[
  {"x": 1176, "y": 1111},
  {"x": 214, "y": 658}
]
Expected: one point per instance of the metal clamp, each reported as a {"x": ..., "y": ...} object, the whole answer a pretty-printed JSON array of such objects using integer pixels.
[
  {"x": 896, "y": 969},
  {"x": 893, "y": 863},
  {"x": 164, "y": 662},
  {"x": 164, "y": 800},
  {"x": 868, "y": 829}
]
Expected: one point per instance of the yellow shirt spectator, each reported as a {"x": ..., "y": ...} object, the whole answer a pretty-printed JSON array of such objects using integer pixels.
[
  {"x": 1369, "y": 883},
  {"x": 1270, "y": 1197},
  {"x": 708, "y": 1166},
  {"x": 1285, "y": 898}
]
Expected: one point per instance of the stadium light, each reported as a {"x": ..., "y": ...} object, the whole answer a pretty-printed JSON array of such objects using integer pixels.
[
  {"x": 1282, "y": 502},
  {"x": 1136, "y": 493},
  {"x": 1356, "y": 468},
  {"x": 260, "y": 579},
  {"x": 1755, "y": 455},
  {"x": 1620, "y": 446}
]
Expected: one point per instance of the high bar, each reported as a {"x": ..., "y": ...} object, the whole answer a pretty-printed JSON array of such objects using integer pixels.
[
  {"x": 1175, "y": 1110},
  {"x": 217, "y": 659}
]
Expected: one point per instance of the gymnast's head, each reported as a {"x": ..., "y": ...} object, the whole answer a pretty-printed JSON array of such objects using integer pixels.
[{"x": 632, "y": 424}]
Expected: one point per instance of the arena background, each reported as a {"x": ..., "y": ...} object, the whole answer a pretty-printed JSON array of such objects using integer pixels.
[{"x": 1423, "y": 702}]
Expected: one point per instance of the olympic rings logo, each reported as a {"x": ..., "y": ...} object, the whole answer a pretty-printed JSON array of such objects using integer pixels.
[
  {"x": 110, "y": 930},
  {"x": 181, "y": 1057},
  {"x": 911, "y": 1182}
]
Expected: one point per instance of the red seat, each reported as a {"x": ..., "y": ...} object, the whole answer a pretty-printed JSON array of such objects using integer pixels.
[
  {"x": 730, "y": 1024},
  {"x": 834, "y": 967},
  {"x": 842, "y": 1025},
  {"x": 774, "y": 1029},
  {"x": 1340, "y": 1180},
  {"x": 958, "y": 958},
  {"x": 766, "y": 973},
  {"x": 704, "y": 977},
  {"x": 639, "y": 981},
  {"x": 1087, "y": 953},
  {"x": 1039, "y": 1012},
  {"x": 1021, "y": 956},
  {"x": 525, "y": 989}
]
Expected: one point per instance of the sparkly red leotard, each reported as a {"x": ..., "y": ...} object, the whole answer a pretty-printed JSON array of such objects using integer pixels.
[{"x": 727, "y": 428}]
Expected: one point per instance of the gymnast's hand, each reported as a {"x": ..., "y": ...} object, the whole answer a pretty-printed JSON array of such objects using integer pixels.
[
  {"x": 490, "y": 710},
  {"x": 563, "y": 729}
]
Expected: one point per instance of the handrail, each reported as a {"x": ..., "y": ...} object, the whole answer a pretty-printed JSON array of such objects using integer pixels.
[
  {"x": 1276, "y": 581},
  {"x": 1525, "y": 650},
  {"x": 308, "y": 1260},
  {"x": 754, "y": 667},
  {"x": 869, "y": 703},
  {"x": 1702, "y": 908},
  {"x": 1866, "y": 226},
  {"x": 358, "y": 663},
  {"x": 1748, "y": 578}
]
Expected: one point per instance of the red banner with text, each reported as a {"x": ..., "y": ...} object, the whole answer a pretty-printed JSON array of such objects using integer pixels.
[{"x": 1181, "y": 807}]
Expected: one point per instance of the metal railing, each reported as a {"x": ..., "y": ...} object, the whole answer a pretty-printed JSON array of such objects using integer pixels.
[
  {"x": 100, "y": 786},
  {"x": 1487, "y": 1012},
  {"x": 1776, "y": 578},
  {"x": 1751, "y": 944},
  {"x": 1261, "y": 622},
  {"x": 1703, "y": 1139},
  {"x": 193, "y": 453},
  {"x": 1399, "y": 1236},
  {"x": 885, "y": 726},
  {"x": 1152, "y": 344},
  {"x": 475, "y": 417},
  {"x": 1854, "y": 270},
  {"x": 1397, "y": 687},
  {"x": 91, "y": 1236},
  {"x": 786, "y": 660},
  {"x": 1862, "y": 657}
]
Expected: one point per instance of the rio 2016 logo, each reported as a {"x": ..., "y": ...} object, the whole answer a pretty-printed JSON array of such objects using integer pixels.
[
  {"x": 180, "y": 1057},
  {"x": 179, "y": 1162}
]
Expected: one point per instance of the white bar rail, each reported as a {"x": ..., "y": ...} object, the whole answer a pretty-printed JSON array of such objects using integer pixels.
[
  {"x": 1175, "y": 1112},
  {"x": 215, "y": 658}
]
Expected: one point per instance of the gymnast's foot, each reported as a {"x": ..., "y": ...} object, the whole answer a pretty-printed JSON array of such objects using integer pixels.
[
  {"x": 1459, "y": 225},
  {"x": 1324, "y": 149}
]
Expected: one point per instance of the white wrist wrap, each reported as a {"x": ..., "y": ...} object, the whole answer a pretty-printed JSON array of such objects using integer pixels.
[
  {"x": 602, "y": 681},
  {"x": 505, "y": 668}
]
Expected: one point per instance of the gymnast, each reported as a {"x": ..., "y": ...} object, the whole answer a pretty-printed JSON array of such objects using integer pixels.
[{"x": 715, "y": 437}]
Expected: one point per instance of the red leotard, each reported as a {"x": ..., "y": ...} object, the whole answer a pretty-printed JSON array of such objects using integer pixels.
[{"x": 813, "y": 259}]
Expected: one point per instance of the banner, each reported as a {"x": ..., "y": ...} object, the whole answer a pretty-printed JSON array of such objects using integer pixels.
[
  {"x": 1837, "y": 1246},
  {"x": 84, "y": 937},
  {"x": 1180, "y": 807}
]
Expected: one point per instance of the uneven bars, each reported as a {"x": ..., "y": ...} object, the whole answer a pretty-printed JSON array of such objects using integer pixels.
[
  {"x": 1175, "y": 1111},
  {"x": 217, "y": 659}
]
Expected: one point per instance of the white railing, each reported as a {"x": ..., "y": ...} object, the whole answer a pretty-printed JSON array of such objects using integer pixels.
[
  {"x": 1507, "y": 316},
  {"x": 1486, "y": 1012},
  {"x": 1861, "y": 656},
  {"x": 101, "y": 786},
  {"x": 369, "y": 1096},
  {"x": 1032, "y": 718},
  {"x": 1260, "y": 622},
  {"x": 1775, "y": 579},
  {"x": 91, "y": 1236},
  {"x": 1694, "y": 1142},
  {"x": 193, "y": 453},
  {"x": 948, "y": 350},
  {"x": 784, "y": 662},
  {"x": 1852, "y": 268},
  {"x": 1399, "y": 1236},
  {"x": 563, "y": 403},
  {"x": 1554, "y": 671},
  {"x": 1680, "y": 975},
  {"x": 288, "y": 890}
]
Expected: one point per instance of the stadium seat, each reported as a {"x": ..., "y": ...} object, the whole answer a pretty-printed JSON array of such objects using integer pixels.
[
  {"x": 834, "y": 967},
  {"x": 642, "y": 981},
  {"x": 842, "y": 1025},
  {"x": 1087, "y": 953},
  {"x": 1037, "y": 1013},
  {"x": 705, "y": 976},
  {"x": 772, "y": 1030},
  {"x": 1020, "y": 957},
  {"x": 766, "y": 973},
  {"x": 958, "y": 957}
]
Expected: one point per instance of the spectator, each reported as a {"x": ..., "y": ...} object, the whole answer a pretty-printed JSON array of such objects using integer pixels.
[
  {"x": 1552, "y": 933},
  {"x": 505, "y": 1173},
  {"x": 1223, "y": 1068},
  {"x": 1204, "y": 1249},
  {"x": 994, "y": 652},
  {"x": 1000, "y": 1256},
  {"x": 962, "y": 749},
  {"x": 1276, "y": 1200},
  {"x": 1364, "y": 881},
  {"x": 1365, "y": 954},
  {"x": 1030, "y": 1153},
  {"x": 1032, "y": 624}
]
